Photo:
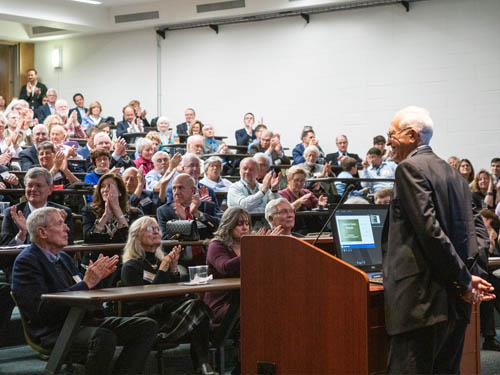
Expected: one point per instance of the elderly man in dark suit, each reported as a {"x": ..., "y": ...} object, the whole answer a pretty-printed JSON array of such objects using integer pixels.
[
  {"x": 431, "y": 244},
  {"x": 44, "y": 268},
  {"x": 47, "y": 109},
  {"x": 38, "y": 183},
  {"x": 183, "y": 127},
  {"x": 336, "y": 157},
  {"x": 29, "y": 157},
  {"x": 187, "y": 205}
]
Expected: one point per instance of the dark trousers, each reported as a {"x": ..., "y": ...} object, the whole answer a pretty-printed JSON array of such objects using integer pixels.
[
  {"x": 6, "y": 306},
  {"x": 136, "y": 335},
  {"x": 431, "y": 350}
]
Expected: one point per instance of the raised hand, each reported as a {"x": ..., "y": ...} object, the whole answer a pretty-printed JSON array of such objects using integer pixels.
[
  {"x": 59, "y": 160},
  {"x": 195, "y": 203},
  {"x": 481, "y": 290},
  {"x": 322, "y": 201},
  {"x": 174, "y": 161},
  {"x": 266, "y": 182},
  {"x": 203, "y": 194},
  {"x": 5, "y": 157},
  {"x": 100, "y": 269},
  {"x": 19, "y": 219},
  {"x": 120, "y": 147},
  {"x": 179, "y": 210},
  {"x": 275, "y": 181}
]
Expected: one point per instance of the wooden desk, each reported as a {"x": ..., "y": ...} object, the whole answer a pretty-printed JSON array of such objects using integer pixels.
[
  {"x": 81, "y": 301},
  {"x": 225, "y": 156},
  {"x": 20, "y": 175},
  {"x": 107, "y": 247}
]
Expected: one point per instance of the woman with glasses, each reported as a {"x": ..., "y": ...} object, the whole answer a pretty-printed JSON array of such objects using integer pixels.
[
  {"x": 179, "y": 317},
  {"x": 93, "y": 117},
  {"x": 300, "y": 198}
]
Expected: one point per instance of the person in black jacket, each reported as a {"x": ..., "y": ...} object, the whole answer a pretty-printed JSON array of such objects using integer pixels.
[
  {"x": 178, "y": 317},
  {"x": 33, "y": 91}
]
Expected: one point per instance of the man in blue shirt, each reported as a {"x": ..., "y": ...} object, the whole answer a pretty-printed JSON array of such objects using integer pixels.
[{"x": 375, "y": 167}]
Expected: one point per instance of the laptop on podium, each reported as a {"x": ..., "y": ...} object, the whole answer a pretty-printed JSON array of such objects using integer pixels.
[{"x": 357, "y": 231}]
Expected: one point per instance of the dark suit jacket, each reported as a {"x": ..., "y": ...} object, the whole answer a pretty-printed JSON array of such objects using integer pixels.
[
  {"x": 42, "y": 113},
  {"x": 431, "y": 235},
  {"x": 29, "y": 158},
  {"x": 78, "y": 115},
  {"x": 34, "y": 275},
  {"x": 148, "y": 202},
  {"x": 211, "y": 192},
  {"x": 182, "y": 128},
  {"x": 242, "y": 137},
  {"x": 121, "y": 128},
  {"x": 333, "y": 158},
  {"x": 211, "y": 220},
  {"x": 34, "y": 101},
  {"x": 10, "y": 229}
]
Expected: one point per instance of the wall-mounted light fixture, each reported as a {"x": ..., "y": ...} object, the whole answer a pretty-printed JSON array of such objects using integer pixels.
[{"x": 57, "y": 58}]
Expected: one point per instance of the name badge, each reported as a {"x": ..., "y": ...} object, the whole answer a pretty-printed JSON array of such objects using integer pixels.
[
  {"x": 145, "y": 201},
  {"x": 148, "y": 276},
  {"x": 77, "y": 278}
]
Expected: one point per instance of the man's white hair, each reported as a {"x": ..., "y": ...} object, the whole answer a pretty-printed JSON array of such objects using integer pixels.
[
  {"x": 272, "y": 210},
  {"x": 194, "y": 138},
  {"x": 417, "y": 118},
  {"x": 311, "y": 148},
  {"x": 189, "y": 156}
]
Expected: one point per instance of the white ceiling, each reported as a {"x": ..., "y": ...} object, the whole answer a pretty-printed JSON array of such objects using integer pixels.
[{"x": 18, "y": 17}]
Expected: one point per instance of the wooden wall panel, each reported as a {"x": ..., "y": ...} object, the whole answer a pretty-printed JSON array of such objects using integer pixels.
[{"x": 26, "y": 60}]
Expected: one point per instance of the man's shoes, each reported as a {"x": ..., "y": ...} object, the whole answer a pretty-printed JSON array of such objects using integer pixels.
[
  {"x": 491, "y": 343},
  {"x": 206, "y": 369}
]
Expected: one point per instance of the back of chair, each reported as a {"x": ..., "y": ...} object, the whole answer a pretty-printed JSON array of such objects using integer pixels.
[{"x": 44, "y": 352}]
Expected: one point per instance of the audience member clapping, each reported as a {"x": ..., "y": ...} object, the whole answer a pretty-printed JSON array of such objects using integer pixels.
[
  {"x": 155, "y": 138},
  {"x": 71, "y": 124},
  {"x": 145, "y": 150},
  {"x": 210, "y": 144},
  {"x": 308, "y": 138},
  {"x": 139, "y": 112},
  {"x": 145, "y": 200},
  {"x": 300, "y": 198},
  {"x": 178, "y": 317},
  {"x": 280, "y": 215},
  {"x": 187, "y": 205},
  {"x": 164, "y": 168},
  {"x": 250, "y": 195},
  {"x": 167, "y": 134},
  {"x": 263, "y": 164},
  {"x": 93, "y": 117},
  {"x": 130, "y": 124},
  {"x": 108, "y": 217},
  {"x": 16, "y": 133},
  {"x": 79, "y": 108},
  {"x": 56, "y": 162},
  {"x": 38, "y": 187},
  {"x": 119, "y": 157},
  {"x": 101, "y": 161},
  {"x": 48, "y": 108},
  {"x": 246, "y": 135},
  {"x": 10, "y": 141},
  {"x": 194, "y": 144}
]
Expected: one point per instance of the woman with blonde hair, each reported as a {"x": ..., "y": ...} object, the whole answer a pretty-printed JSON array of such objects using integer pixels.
[
  {"x": 178, "y": 317},
  {"x": 93, "y": 117},
  {"x": 484, "y": 194}
]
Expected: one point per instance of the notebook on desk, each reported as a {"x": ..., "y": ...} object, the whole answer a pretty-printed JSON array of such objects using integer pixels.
[{"x": 357, "y": 231}]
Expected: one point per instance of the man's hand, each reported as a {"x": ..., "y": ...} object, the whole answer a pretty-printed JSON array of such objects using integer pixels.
[
  {"x": 327, "y": 170},
  {"x": 266, "y": 182},
  {"x": 179, "y": 210},
  {"x": 203, "y": 193},
  {"x": 5, "y": 157},
  {"x": 193, "y": 207},
  {"x": 102, "y": 268},
  {"x": 275, "y": 181},
  {"x": 12, "y": 179},
  {"x": 120, "y": 147},
  {"x": 20, "y": 221},
  {"x": 480, "y": 291},
  {"x": 174, "y": 161},
  {"x": 322, "y": 201}
]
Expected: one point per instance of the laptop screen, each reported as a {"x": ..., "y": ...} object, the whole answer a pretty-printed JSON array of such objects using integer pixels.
[{"x": 357, "y": 231}]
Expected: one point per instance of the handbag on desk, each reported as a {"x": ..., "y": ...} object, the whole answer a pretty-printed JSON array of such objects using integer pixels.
[{"x": 182, "y": 230}]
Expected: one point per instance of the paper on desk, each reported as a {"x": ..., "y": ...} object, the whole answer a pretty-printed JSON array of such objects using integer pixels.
[{"x": 200, "y": 280}]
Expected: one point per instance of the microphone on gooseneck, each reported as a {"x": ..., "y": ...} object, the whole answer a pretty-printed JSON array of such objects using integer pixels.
[{"x": 346, "y": 191}]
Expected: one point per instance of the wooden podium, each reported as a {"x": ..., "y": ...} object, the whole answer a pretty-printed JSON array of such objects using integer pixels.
[{"x": 304, "y": 311}]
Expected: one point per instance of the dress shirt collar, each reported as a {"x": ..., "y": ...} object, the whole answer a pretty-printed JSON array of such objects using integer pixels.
[
  {"x": 51, "y": 257},
  {"x": 32, "y": 208}
]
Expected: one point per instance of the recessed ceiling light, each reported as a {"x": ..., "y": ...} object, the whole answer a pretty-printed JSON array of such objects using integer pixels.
[{"x": 89, "y": 2}]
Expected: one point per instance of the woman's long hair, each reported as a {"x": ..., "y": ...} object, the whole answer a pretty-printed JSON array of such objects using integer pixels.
[
  {"x": 133, "y": 248},
  {"x": 98, "y": 203},
  {"x": 228, "y": 222}
]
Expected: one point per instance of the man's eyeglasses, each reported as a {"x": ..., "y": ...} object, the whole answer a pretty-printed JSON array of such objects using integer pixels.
[{"x": 393, "y": 134}]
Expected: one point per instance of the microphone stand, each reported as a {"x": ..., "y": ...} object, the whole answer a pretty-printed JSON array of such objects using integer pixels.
[{"x": 346, "y": 191}]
